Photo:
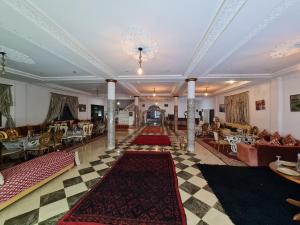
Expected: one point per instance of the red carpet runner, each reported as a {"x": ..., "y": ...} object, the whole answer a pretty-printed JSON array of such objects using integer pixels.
[
  {"x": 152, "y": 140},
  {"x": 141, "y": 188},
  {"x": 153, "y": 129}
]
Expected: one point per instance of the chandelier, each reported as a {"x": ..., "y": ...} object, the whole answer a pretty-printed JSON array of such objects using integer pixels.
[
  {"x": 154, "y": 93},
  {"x": 137, "y": 43},
  {"x": 206, "y": 93},
  {"x": 2, "y": 62},
  {"x": 140, "y": 70}
]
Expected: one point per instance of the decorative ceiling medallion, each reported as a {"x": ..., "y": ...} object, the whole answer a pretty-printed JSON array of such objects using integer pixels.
[
  {"x": 16, "y": 56},
  {"x": 136, "y": 38},
  {"x": 288, "y": 48}
]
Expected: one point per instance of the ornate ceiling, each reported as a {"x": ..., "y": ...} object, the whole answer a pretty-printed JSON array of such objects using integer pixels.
[{"x": 79, "y": 45}]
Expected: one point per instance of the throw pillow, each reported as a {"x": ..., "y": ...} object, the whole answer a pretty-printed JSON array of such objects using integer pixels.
[
  {"x": 264, "y": 134},
  {"x": 262, "y": 141},
  {"x": 1, "y": 179},
  {"x": 274, "y": 141},
  {"x": 276, "y": 135},
  {"x": 289, "y": 140}
]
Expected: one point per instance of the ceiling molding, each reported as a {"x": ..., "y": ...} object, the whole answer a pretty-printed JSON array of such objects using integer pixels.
[
  {"x": 41, "y": 45},
  {"x": 235, "y": 76},
  {"x": 150, "y": 77},
  {"x": 272, "y": 16},
  {"x": 73, "y": 78},
  {"x": 177, "y": 87},
  {"x": 23, "y": 74},
  {"x": 63, "y": 88},
  {"x": 287, "y": 70},
  {"x": 30, "y": 11},
  {"x": 226, "y": 13},
  {"x": 129, "y": 87},
  {"x": 45, "y": 79},
  {"x": 232, "y": 87}
]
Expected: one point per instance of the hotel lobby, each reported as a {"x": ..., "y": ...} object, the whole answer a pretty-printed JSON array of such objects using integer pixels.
[{"x": 149, "y": 112}]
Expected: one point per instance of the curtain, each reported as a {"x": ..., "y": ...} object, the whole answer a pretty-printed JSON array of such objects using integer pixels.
[
  {"x": 72, "y": 103},
  {"x": 237, "y": 108},
  {"x": 5, "y": 103},
  {"x": 57, "y": 104}
]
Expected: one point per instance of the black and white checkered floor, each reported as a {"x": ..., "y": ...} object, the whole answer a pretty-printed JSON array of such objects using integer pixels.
[{"x": 47, "y": 204}]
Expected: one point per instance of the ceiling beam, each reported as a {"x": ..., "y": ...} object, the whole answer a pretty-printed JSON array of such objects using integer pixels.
[
  {"x": 275, "y": 13},
  {"x": 224, "y": 16},
  {"x": 33, "y": 13}
]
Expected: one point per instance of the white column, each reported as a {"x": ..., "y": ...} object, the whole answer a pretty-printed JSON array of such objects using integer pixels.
[
  {"x": 136, "y": 111},
  {"x": 175, "y": 113},
  {"x": 191, "y": 114},
  {"x": 111, "y": 104}
]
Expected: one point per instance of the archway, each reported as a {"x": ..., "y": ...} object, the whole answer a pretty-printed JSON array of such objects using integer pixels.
[{"x": 153, "y": 115}]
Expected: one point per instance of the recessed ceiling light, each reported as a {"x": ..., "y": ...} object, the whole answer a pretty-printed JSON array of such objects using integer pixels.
[{"x": 230, "y": 81}]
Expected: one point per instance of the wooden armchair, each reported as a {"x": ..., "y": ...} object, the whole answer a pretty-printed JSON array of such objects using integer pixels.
[
  {"x": 12, "y": 134},
  {"x": 43, "y": 145},
  {"x": 57, "y": 143}
]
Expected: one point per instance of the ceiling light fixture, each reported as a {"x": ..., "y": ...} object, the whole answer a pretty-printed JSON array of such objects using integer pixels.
[
  {"x": 206, "y": 93},
  {"x": 230, "y": 81},
  {"x": 140, "y": 70},
  {"x": 154, "y": 93},
  {"x": 2, "y": 62}
]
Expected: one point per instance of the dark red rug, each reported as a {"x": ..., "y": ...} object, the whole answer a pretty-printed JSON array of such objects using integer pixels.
[
  {"x": 152, "y": 140},
  {"x": 141, "y": 188}
]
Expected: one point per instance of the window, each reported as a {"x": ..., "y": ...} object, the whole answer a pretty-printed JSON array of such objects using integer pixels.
[{"x": 66, "y": 115}]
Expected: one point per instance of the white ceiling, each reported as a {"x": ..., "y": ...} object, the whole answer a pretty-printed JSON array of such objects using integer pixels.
[{"x": 80, "y": 44}]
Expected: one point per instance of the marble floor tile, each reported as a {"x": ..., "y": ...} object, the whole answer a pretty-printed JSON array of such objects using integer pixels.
[{"x": 52, "y": 197}]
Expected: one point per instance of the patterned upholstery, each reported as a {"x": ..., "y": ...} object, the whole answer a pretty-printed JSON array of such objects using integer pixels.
[{"x": 25, "y": 175}]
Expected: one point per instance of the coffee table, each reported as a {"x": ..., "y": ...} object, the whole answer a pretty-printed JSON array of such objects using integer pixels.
[{"x": 295, "y": 179}]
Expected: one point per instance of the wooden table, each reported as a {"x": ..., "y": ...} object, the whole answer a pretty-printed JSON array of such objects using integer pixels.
[{"x": 295, "y": 179}]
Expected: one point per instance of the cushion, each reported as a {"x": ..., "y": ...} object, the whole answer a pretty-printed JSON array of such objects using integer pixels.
[
  {"x": 1, "y": 179},
  {"x": 264, "y": 134},
  {"x": 262, "y": 141},
  {"x": 274, "y": 141},
  {"x": 276, "y": 135},
  {"x": 289, "y": 140}
]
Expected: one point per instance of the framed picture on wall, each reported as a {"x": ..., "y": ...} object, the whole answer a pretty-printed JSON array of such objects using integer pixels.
[
  {"x": 295, "y": 103},
  {"x": 221, "y": 108},
  {"x": 82, "y": 108},
  {"x": 260, "y": 105}
]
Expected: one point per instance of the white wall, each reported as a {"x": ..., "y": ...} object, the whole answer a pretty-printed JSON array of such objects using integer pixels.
[
  {"x": 290, "y": 121},
  {"x": 276, "y": 93},
  {"x": 31, "y": 102},
  {"x": 261, "y": 118}
]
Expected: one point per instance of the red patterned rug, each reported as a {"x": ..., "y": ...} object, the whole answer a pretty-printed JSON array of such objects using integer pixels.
[
  {"x": 141, "y": 188},
  {"x": 152, "y": 140},
  {"x": 153, "y": 129}
]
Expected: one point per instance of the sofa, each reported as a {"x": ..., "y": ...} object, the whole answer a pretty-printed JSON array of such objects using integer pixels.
[
  {"x": 24, "y": 178},
  {"x": 263, "y": 154}
]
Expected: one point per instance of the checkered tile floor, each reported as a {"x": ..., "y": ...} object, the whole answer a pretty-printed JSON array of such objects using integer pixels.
[{"x": 200, "y": 204}]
